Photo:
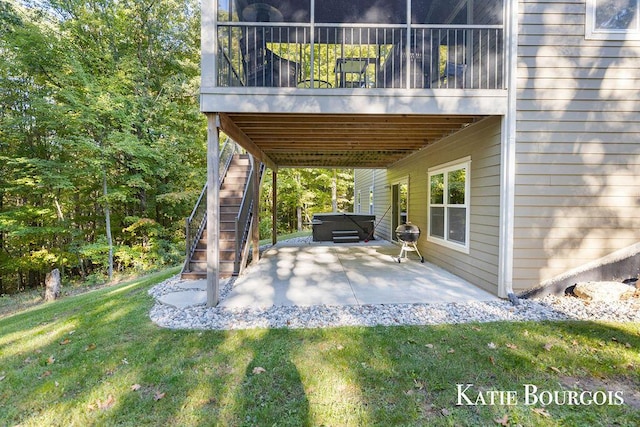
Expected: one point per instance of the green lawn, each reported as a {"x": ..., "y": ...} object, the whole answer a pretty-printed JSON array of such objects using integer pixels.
[{"x": 96, "y": 359}]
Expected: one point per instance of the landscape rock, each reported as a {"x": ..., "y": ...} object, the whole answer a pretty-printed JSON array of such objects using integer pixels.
[
  {"x": 603, "y": 291},
  {"x": 550, "y": 307}
]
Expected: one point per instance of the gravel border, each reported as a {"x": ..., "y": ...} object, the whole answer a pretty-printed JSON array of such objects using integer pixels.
[{"x": 547, "y": 308}]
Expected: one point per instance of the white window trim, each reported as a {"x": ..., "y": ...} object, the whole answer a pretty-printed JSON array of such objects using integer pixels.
[
  {"x": 372, "y": 196},
  {"x": 359, "y": 202},
  {"x": 593, "y": 33},
  {"x": 464, "y": 163}
]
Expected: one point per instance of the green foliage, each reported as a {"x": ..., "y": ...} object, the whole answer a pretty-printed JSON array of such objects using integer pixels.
[
  {"x": 307, "y": 190},
  {"x": 94, "y": 89}
]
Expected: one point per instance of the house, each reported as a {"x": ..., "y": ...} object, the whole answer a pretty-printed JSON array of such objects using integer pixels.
[{"x": 506, "y": 130}]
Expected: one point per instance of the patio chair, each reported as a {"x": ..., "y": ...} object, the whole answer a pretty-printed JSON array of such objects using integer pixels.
[{"x": 262, "y": 67}]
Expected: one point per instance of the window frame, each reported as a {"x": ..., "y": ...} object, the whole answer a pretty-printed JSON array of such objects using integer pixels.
[
  {"x": 593, "y": 33},
  {"x": 444, "y": 170}
]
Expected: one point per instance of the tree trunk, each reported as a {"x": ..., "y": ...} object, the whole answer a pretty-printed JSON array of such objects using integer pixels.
[
  {"x": 52, "y": 285},
  {"x": 107, "y": 218}
]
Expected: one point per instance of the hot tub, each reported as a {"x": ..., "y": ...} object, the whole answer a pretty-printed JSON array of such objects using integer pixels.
[{"x": 325, "y": 224}]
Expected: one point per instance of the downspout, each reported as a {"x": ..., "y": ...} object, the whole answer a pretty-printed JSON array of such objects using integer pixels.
[{"x": 508, "y": 159}]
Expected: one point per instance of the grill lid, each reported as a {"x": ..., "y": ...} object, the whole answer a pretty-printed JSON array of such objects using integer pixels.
[
  {"x": 408, "y": 228},
  {"x": 408, "y": 232}
]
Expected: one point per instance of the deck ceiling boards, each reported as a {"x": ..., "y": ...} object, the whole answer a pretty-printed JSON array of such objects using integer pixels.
[{"x": 353, "y": 141}]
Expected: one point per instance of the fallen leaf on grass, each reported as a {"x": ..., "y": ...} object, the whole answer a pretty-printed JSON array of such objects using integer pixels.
[
  {"x": 158, "y": 396},
  {"x": 90, "y": 347},
  {"x": 451, "y": 351},
  {"x": 209, "y": 401},
  {"x": 525, "y": 333},
  {"x": 475, "y": 328},
  {"x": 429, "y": 345},
  {"x": 259, "y": 370},
  {"x": 51, "y": 360},
  {"x": 556, "y": 370},
  {"x": 65, "y": 341},
  {"x": 2, "y": 377},
  {"x": 548, "y": 346},
  {"x": 541, "y": 411},
  {"x": 511, "y": 346},
  {"x": 492, "y": 360},
  {"x": 504, "y": 421},
  {"x": 445, "y": 412},
  {"x": 107, "y": 404},
  {"x": 492, "y": 345},
  {"x": 136, "y": 387}
]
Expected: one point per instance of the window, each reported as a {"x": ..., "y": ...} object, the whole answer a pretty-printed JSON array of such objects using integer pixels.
[
  {"x": 449, "y": 205},
  {"x": 612, "y": 20}
]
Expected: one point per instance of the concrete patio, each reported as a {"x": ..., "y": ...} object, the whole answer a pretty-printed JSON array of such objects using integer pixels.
[{"x": 314, "y": 273}]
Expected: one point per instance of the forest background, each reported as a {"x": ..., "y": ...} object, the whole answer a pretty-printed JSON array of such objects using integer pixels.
[{"x": 103, "y": 146}]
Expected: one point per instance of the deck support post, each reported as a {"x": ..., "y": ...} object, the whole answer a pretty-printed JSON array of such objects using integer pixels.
[
  {"x": 213, "y": 209},
  {"x": 274, "y": 208},
  {"x": 255, "y": 229}
]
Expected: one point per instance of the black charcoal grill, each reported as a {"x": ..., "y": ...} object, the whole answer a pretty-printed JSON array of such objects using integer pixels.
[{"x": 408, "y": 234}]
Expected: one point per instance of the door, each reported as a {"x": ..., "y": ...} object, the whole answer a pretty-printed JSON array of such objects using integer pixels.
[{"x": 399, "y": 206}]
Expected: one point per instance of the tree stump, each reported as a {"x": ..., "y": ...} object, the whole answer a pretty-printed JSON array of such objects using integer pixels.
[{"x": 52, "y": 285}]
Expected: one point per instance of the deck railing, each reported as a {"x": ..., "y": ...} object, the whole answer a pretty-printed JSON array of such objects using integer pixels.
[{"x": 361, "y": 56}]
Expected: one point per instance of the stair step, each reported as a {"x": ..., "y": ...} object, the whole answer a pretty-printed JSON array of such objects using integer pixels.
[
  {"x": 230, "y": 209},
  {"x": 346, "y": 239},
  {"x": 231, "y": 200},
  {"x": 345, "y": 236},
  {"x": 230, "y": 197},
  {"x": 344, "y": 233},
  {"x": 200, "y": 255},
  {"x": 224, "y": 266}
]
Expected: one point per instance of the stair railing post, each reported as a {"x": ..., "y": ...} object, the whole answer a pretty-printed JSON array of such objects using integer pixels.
[
  {"x": 187, "y": 266},
  {"x": 255, "y": 223}
]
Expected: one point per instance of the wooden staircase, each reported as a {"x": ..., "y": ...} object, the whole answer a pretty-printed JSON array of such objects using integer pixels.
[{"x": 231, "y": 194}]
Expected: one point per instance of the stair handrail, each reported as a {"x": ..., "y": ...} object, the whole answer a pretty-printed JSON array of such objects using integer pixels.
[
  {"x": 246, "y": 215},
  {"x": 196, "y": 222}
]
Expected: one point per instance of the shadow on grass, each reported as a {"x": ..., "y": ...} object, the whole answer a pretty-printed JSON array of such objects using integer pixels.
[{"x": 96, "y": 359}]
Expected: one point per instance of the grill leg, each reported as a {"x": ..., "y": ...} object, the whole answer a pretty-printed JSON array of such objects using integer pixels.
[{"x": 415, "y": 248}]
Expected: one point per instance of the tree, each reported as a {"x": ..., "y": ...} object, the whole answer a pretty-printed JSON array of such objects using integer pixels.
[
  {"x": 304, "y": 192},
  {"x": 97, "y": 112}
]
